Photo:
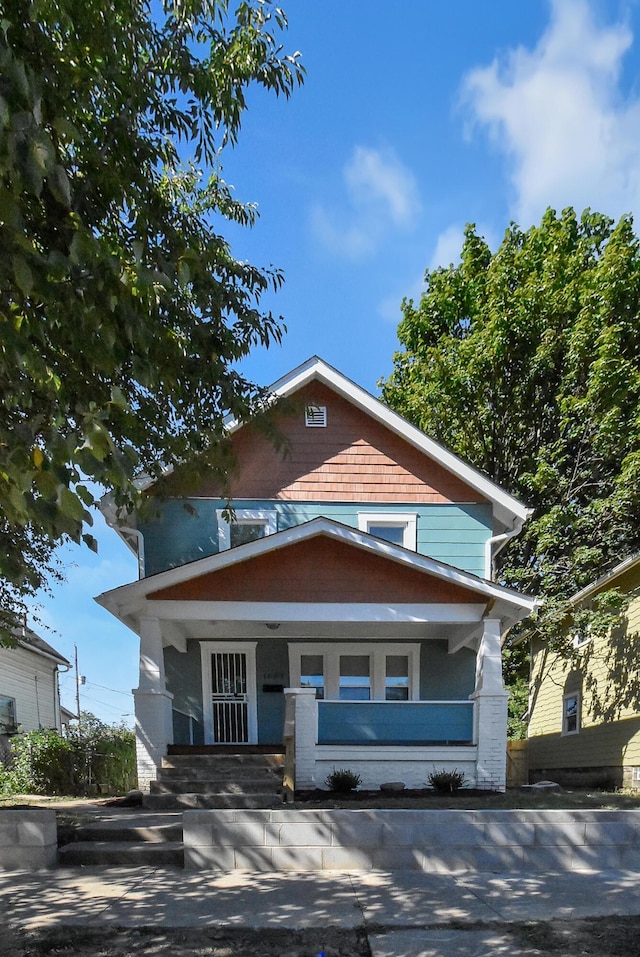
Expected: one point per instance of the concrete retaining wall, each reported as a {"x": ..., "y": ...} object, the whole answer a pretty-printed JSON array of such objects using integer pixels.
[
  {"x": 28, "y": 839},
  {"x": 430, "y": 841}
]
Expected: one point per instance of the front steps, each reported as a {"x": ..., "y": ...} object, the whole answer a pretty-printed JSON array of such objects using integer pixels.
[
  {"x": 200, "y": 779},
  {"x": 126, "y": 844},
  {"x": 225, "y": 779}
]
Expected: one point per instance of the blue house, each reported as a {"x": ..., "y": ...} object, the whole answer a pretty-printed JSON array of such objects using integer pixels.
[{"x": 345, "y": 602}]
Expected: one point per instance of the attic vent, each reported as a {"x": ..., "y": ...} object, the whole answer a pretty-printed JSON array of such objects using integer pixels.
[{"x": 316, "y": 417}]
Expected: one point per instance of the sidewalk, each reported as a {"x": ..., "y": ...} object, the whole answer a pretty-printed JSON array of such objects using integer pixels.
[{"x": 395, "y": 907}]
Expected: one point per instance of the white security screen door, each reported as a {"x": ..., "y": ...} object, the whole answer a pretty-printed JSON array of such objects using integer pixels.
[{"x": 229, "y": 692}]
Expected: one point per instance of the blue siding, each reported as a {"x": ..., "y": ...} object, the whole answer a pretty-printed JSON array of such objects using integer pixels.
[
  {"x": 395, "y": 722},
  {"x": 186, "y": 530}
]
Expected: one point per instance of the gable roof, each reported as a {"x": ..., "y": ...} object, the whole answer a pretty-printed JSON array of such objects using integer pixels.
[
  {"x": 30, "y": 641},
  {"x": 509, "y": 605},
  {"x": 509, "y": 512}
]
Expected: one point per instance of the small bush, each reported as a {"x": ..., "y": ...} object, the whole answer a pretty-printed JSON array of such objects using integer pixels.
[
  {"x": 343, "y": 781},
  {"x": 447, "y": 780}
]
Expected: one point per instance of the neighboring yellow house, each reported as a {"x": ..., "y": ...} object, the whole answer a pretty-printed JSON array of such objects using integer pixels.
[{"x": 584, "y": 713}]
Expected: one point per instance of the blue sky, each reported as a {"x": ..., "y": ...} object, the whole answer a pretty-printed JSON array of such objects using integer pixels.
[{"x": 412, "y": 121}]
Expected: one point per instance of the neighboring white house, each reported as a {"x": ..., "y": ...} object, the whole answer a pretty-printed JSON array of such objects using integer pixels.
[{"x": 29, "y": 689}]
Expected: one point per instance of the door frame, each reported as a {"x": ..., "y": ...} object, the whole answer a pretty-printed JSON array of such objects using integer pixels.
[{"x": 207, "y": 648}]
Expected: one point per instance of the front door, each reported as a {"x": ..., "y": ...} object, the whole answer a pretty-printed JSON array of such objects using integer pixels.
[{"x": 229, "y": 692}]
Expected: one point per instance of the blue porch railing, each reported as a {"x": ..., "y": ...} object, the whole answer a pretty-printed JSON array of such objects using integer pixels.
[{"x": 395, "y": 722}]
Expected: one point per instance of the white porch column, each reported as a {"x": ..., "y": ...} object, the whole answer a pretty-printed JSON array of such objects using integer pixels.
[
  {"x": 154, "y": 726},
  {"x": 490, "y": 730},
  {"x": 301, "y": 708}
]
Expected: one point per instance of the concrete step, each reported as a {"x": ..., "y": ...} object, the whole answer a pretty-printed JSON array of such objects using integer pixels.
[
  {"x": 182, "y": 785},
  {"x": 223, "y": 773},
  {"x": 207, "y": 800},
  {"x": 222, "y": 760},
  {"x": 122, "y": 854},
  {"x": 165, "y": 833}
]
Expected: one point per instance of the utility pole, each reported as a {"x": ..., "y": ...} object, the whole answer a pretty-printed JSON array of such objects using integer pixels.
[{"x": 75, "y": 649}]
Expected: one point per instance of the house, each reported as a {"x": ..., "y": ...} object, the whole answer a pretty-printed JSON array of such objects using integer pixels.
[
  {"x": 584, "y": 712},
  {"x": 348, "y": 595},
  {"x": 29, "y": 690}
]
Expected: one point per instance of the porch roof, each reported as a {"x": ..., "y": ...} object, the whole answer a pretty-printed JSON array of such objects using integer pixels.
[{"x": 390, "y": 587}]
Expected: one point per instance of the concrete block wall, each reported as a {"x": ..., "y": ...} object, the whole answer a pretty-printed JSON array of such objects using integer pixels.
[
  {"x": 28, "y": 839},
  {"x": 430, "y": 841}
]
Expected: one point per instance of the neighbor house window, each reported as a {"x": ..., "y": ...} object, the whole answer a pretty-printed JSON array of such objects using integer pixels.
[
  {"x": 244, "y": 525},
  {"x": 399, "y": 529},
  {"x": 357, "y": 671},
  {"x": 571, "y": 713},
  {"x": 7, "y": 714}
]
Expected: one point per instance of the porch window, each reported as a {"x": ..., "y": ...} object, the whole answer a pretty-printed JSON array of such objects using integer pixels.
[
  {"x": 571, "y": 713},
  {"x": 397, "y": 678},
  {"x": 244, "y": 525},
  {"x": 355, "y": 678},
  {"x": 357, "y": 671},
  {"x": 312, "y": 673},
  {"x": 398, "y": 529}
]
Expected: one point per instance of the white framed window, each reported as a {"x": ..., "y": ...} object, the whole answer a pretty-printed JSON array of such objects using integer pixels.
[
  {"x": 397, "y": 528},
  {"x": 571, "y": 713},
  {"x": 246, "y": 525},
  {"x": 580, "y": 639},
  {"x": 7, "y": 714},
  {"x": 356, "y": 671}
]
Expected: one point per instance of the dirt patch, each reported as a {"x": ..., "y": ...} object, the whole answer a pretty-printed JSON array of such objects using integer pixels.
[
  {"x": 596, "y": 937},
  {"x": 468, "y": 799}
]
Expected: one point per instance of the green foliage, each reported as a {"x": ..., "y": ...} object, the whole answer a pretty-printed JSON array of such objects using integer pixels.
[
  {"x": 122, "y": 308},
  {"x": 343, "y": 781},
  {"x": 447, "y": 780},
  {"x": 45, "y": 762},
  {"x": 526, "y": 362}
]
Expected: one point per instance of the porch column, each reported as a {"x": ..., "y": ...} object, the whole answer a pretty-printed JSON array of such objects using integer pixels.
[
  {"x": 490, "y": 712},
  {"x": 154, "y": 725},
  {"x": 301, "y": 708}
]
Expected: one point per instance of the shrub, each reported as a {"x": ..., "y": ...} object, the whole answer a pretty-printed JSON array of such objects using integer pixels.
[
  {"x": 447, "y": 780},
  {"x": 343, "y": 781}
]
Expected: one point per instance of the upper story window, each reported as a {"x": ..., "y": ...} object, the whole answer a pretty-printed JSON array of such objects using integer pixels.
[
  {"x": 397, "y": 528},
  {"x": 246, "y": 525}
]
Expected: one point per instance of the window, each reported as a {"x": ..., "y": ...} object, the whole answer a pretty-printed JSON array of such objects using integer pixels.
[
  {"x": 246, "y": 525},
  {"x": 355, "y": 678},
  {"x": 571, "y": 713},
  {"x": 399, "y": 529},
  {"x": 7, "y": 714},
  {"x": 357, "y": 671},
  {"x": 312, "y": 673}
]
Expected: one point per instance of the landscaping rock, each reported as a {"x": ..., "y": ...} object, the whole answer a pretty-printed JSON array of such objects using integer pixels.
[
  {"x": 541, "y": 786},
  {"x": 392, "y": 786}
]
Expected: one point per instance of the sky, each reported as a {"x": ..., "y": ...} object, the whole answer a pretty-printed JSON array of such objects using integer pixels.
[{"x": 414, "y": 120}]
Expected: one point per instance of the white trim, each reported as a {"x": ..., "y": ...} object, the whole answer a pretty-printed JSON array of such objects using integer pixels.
[
  {"x": 578, "y": 696},
  {"x": 315, "y": 416},
  {"x": 244, "y": 516},
  {"x": 167, "y": 610},
  {"x": 511, "y": 511},
  {"x": 377, "y": 652},
  {"x": 207, "y": 648},
  {"x": 407, "y": 521}
]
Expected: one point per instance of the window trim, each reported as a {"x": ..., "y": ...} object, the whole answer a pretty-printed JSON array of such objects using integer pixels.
[
  {"x": 244, "y": 516},
  {"x": 407, "y": 521},
  {"x": 570, "y": 695},
  {"x": 331, "y": 652},
  {"x": 12, "y": 724}
]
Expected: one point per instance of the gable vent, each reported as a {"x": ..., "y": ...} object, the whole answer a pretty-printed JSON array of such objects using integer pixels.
[{"x": 316, "y": 416}]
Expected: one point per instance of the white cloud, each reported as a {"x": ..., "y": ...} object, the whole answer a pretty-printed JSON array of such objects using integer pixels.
[
  {"x": 448, "y": 247},
  {"x": 558, "y": 113},
  {"x": 381, "y": 196}
]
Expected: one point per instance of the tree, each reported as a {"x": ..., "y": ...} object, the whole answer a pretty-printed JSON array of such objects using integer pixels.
[
  {"x": 122, "y": 308},
  {"x": 526, "y": 362}
]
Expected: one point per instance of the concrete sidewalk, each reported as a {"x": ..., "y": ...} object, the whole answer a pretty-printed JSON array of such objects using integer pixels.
[{"x": 406, "y": 913}]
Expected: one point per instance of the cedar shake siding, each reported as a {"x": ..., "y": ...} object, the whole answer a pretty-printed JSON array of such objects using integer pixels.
[
  {"x": 354, "y": 459},
  {"x": 319, "y": 570}
]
